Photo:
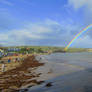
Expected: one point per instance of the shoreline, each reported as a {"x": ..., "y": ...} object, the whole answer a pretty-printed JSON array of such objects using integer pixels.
[{"x": 21, "y": 76}]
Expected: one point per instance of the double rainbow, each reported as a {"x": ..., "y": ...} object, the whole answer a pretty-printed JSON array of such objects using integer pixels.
[{"x": 81, "y": 32}]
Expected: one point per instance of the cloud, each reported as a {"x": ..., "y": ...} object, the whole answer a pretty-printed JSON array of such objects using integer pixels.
[
  {"x": 6, "y": 2},
  {"x": 78, "y": 3},
  {"x": 8, "y": 21},
  {"x": 86, "y": 6},
  {"x": 84, "y": 41},
  {"x": 46, "y": 32},
  {"x": 31, "y": 32}
]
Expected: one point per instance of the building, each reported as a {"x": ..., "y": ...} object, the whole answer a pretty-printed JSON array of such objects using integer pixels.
[{"x": 13, "y": 49}]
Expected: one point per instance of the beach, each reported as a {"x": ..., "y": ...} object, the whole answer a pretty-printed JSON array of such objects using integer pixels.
[
  {"x": 20, "y": 77},
  {"x": 57, "y": 72}
]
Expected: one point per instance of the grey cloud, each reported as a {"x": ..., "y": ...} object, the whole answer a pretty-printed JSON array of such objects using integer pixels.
[{"x": 37, "y": 33}]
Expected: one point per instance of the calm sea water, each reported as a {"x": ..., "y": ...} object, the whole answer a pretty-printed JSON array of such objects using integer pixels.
[{"x": 69, "y": 72}]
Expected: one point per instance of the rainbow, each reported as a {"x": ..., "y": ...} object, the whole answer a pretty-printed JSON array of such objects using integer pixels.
[{"x": 81, "y": 32}]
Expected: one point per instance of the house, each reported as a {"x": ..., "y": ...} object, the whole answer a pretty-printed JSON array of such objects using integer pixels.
[
  {"x": 13, "y": 49},
  {"x": 1, "y": 52}
]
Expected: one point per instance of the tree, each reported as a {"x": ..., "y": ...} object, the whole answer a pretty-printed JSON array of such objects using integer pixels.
[{"x": 40, "y": 50}]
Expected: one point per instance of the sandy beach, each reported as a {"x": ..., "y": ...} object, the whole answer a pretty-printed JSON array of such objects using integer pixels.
[
  {"x": 14, "y": 79},
  {"x": 58, "y": 72}
]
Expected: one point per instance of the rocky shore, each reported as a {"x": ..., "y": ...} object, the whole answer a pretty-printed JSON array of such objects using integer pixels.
[{"x": 20, "y": 77}]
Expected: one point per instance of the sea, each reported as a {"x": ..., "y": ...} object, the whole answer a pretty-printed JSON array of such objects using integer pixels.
[{"x": 65, "y": 72}]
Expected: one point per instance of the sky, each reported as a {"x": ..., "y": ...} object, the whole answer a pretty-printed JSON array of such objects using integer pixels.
[{"x": 45, "y": 22}]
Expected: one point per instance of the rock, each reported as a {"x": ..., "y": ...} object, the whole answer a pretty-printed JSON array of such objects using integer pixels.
[{"x": 49, "y": 84}]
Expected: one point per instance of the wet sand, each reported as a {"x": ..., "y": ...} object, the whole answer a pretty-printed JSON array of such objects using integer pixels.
[
  {"x": 69, "y": 72},
  {"x": 21, "y": 76}
]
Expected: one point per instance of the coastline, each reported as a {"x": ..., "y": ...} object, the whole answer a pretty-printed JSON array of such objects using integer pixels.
[{"x": 21, "y": 76}]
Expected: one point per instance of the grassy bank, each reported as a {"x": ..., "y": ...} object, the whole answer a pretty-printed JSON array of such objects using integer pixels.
[{"x": 41, "y": 50}]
